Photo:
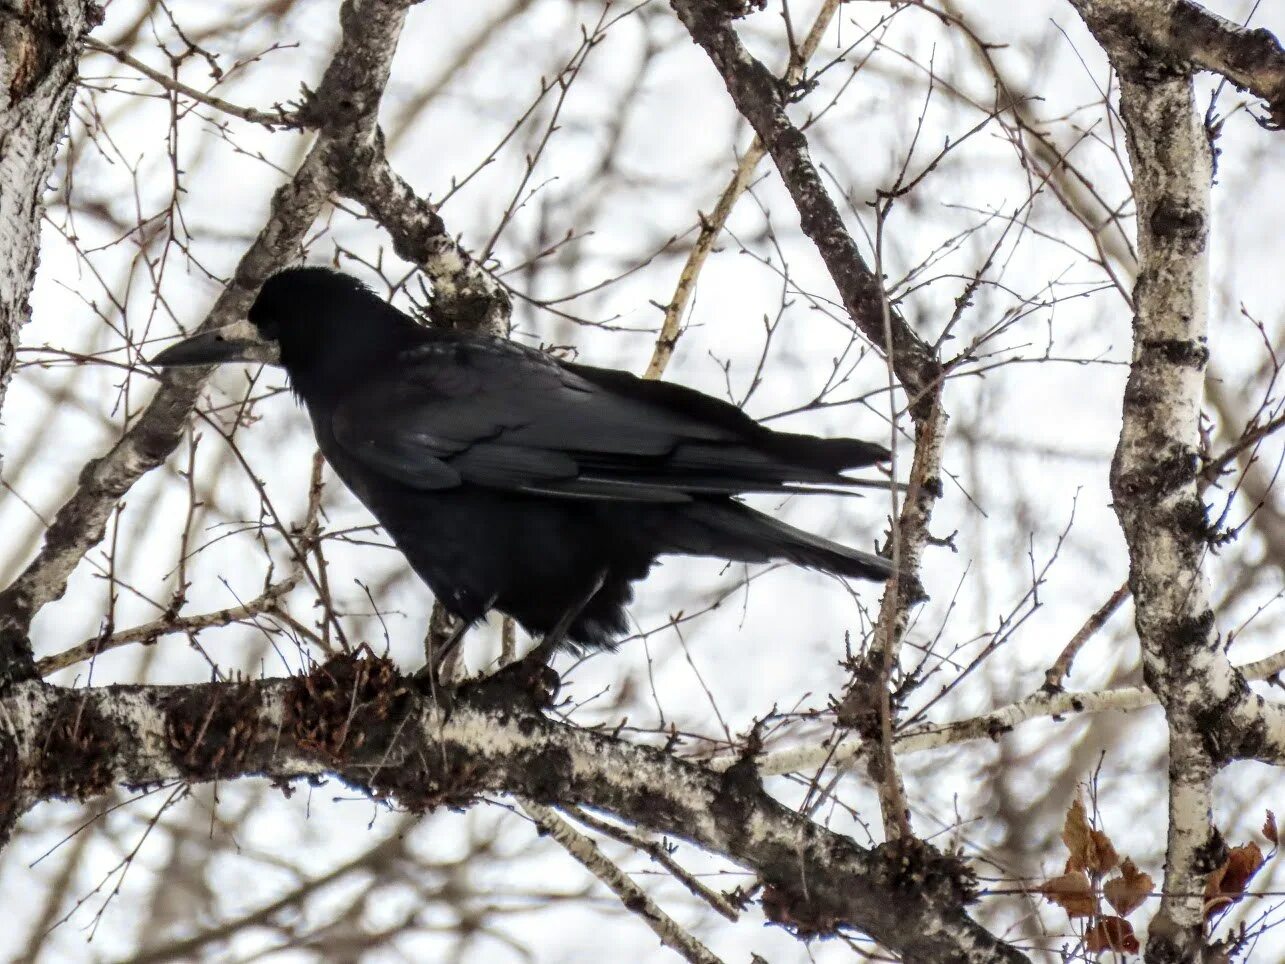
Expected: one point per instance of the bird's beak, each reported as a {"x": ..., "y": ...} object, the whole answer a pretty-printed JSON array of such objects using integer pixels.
[{"x": 239, "y": 341}]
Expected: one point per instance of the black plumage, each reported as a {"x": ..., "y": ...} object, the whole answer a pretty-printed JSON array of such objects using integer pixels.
[{"x": 515, "y": 481}]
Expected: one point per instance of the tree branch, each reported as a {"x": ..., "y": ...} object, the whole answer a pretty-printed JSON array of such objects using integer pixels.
[
  {"x": 361, "y": 721},
  {"x": 1180, "y": 35},
  {"x": 38, "y": 53},
  {"x": 465, "y": 295},
  {"x": 633, "y": 897},
  {"x": 761, "y": 99},
  {"x": 1211, "y": 713},
  {"x": 344, "y": 108}
]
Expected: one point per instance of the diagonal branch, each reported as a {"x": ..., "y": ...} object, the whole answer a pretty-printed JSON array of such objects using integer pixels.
[
  {"x": 465, "y": 295},
  {"x": 633, "y": 897},
  {"x": 711, "y": 226},
  {"x": 762, "y": 100}
]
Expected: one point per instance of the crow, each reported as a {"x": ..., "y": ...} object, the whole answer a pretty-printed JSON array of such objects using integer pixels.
[{"x": 512, "y": 480}]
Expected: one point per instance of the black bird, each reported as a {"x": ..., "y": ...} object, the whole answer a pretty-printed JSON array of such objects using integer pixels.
[{"x": 514, "y": 481}]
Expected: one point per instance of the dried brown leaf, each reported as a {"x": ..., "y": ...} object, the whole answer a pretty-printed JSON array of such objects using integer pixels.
[
  {"x": 1072, "y": 892},
  {"x": 1111, "y": 934},
  {"x": 1227, "y": 884},
  {"x": 1269, "y": 829},
  {"x": 1127, "y": 891},
  {"x": 1088, "y": 849}
]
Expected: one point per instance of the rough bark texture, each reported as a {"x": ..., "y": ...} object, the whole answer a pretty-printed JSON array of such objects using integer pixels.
[
  {"x": 39, "y": 50},
  {"x": 1212, "y": 715},
  {"x": 1153, "y": 478},
  {"x": 1182, "y": 35},
  {"x": 360, "y": 721},
  {"x": 464, "y": 295}
]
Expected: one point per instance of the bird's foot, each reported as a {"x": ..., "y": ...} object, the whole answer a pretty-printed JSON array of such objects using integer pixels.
[
  {"x": 430, "y": 680},
  {"x": 529, "y": 681}
]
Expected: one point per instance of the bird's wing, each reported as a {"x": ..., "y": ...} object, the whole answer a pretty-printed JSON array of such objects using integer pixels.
[{"x": 499, "y": 415}]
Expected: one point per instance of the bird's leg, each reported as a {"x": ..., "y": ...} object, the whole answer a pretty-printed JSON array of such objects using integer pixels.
[
  {"x": 555, "y": 637},
  {"x": 437, "y": 667},
  {"x": 439, "y": 655},
  {"x": 532, "y": 672}
]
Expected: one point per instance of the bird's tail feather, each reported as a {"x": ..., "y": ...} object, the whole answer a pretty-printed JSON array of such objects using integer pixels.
[{"x": 731, "y": 530}]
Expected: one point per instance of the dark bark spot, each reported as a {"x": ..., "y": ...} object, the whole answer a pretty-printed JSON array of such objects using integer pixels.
[
  {"x": 922, "y": 873},
  {"x": 452, "y": 780},
  {"x": 1224, "y": 737},
  {"x": 1190, "y": 633},
  {"x": 1248, "y": 743},
  {"x": 17, "y": 662},
  {"x": 799, "y": 917},
  {"x": 211, "y": 730},
  {"x": 739, "y": 790},
  {"x": 349, "y": 704},
  {"x": 858, "y": 710},
  {"x": 734, "y": 9},
  {"x": 909, "y": 873},
  {"x": 1175, "y": 220},
  {"x": 77, "y": 752},
  {"x": 1176, "y": 351},
  {"x": 32, "y": 43},
  {"x": 1191, "y": 516},
  {"x": 8, "y": 786},
  {"x": 1154, "y": 481},
  {"x": 996, "y": 729},
  {"x": 1211, "y": 854}
]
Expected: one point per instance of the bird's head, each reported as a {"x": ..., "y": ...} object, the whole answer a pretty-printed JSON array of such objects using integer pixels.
[{"x": 309, "y": 320}]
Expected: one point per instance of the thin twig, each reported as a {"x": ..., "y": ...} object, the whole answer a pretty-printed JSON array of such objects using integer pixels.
[{"x": 633, "y": 897}]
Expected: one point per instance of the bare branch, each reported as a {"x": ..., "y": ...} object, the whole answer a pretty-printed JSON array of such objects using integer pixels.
[
  {"x": 281, "y": 118},
  {"x": 1181, "y": 34},
  {"x": 344, "y": 107},
  {"x": 711, "y": 225},
  {"x": 363, "y": 722},
  {"x": 633, "y": 897}
]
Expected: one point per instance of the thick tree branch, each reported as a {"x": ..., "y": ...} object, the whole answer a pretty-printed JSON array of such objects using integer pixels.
[
  {"x": 465, "y": 295},
  {"x": 38, "y": 51},
  {"x": 760, "y": 98},
  {"x": 1211, "y": 713},
  {"x": 1154, "y": 483},
  {"x": 361, "y": 721},
  {"x": 1179, "y": 35}
]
